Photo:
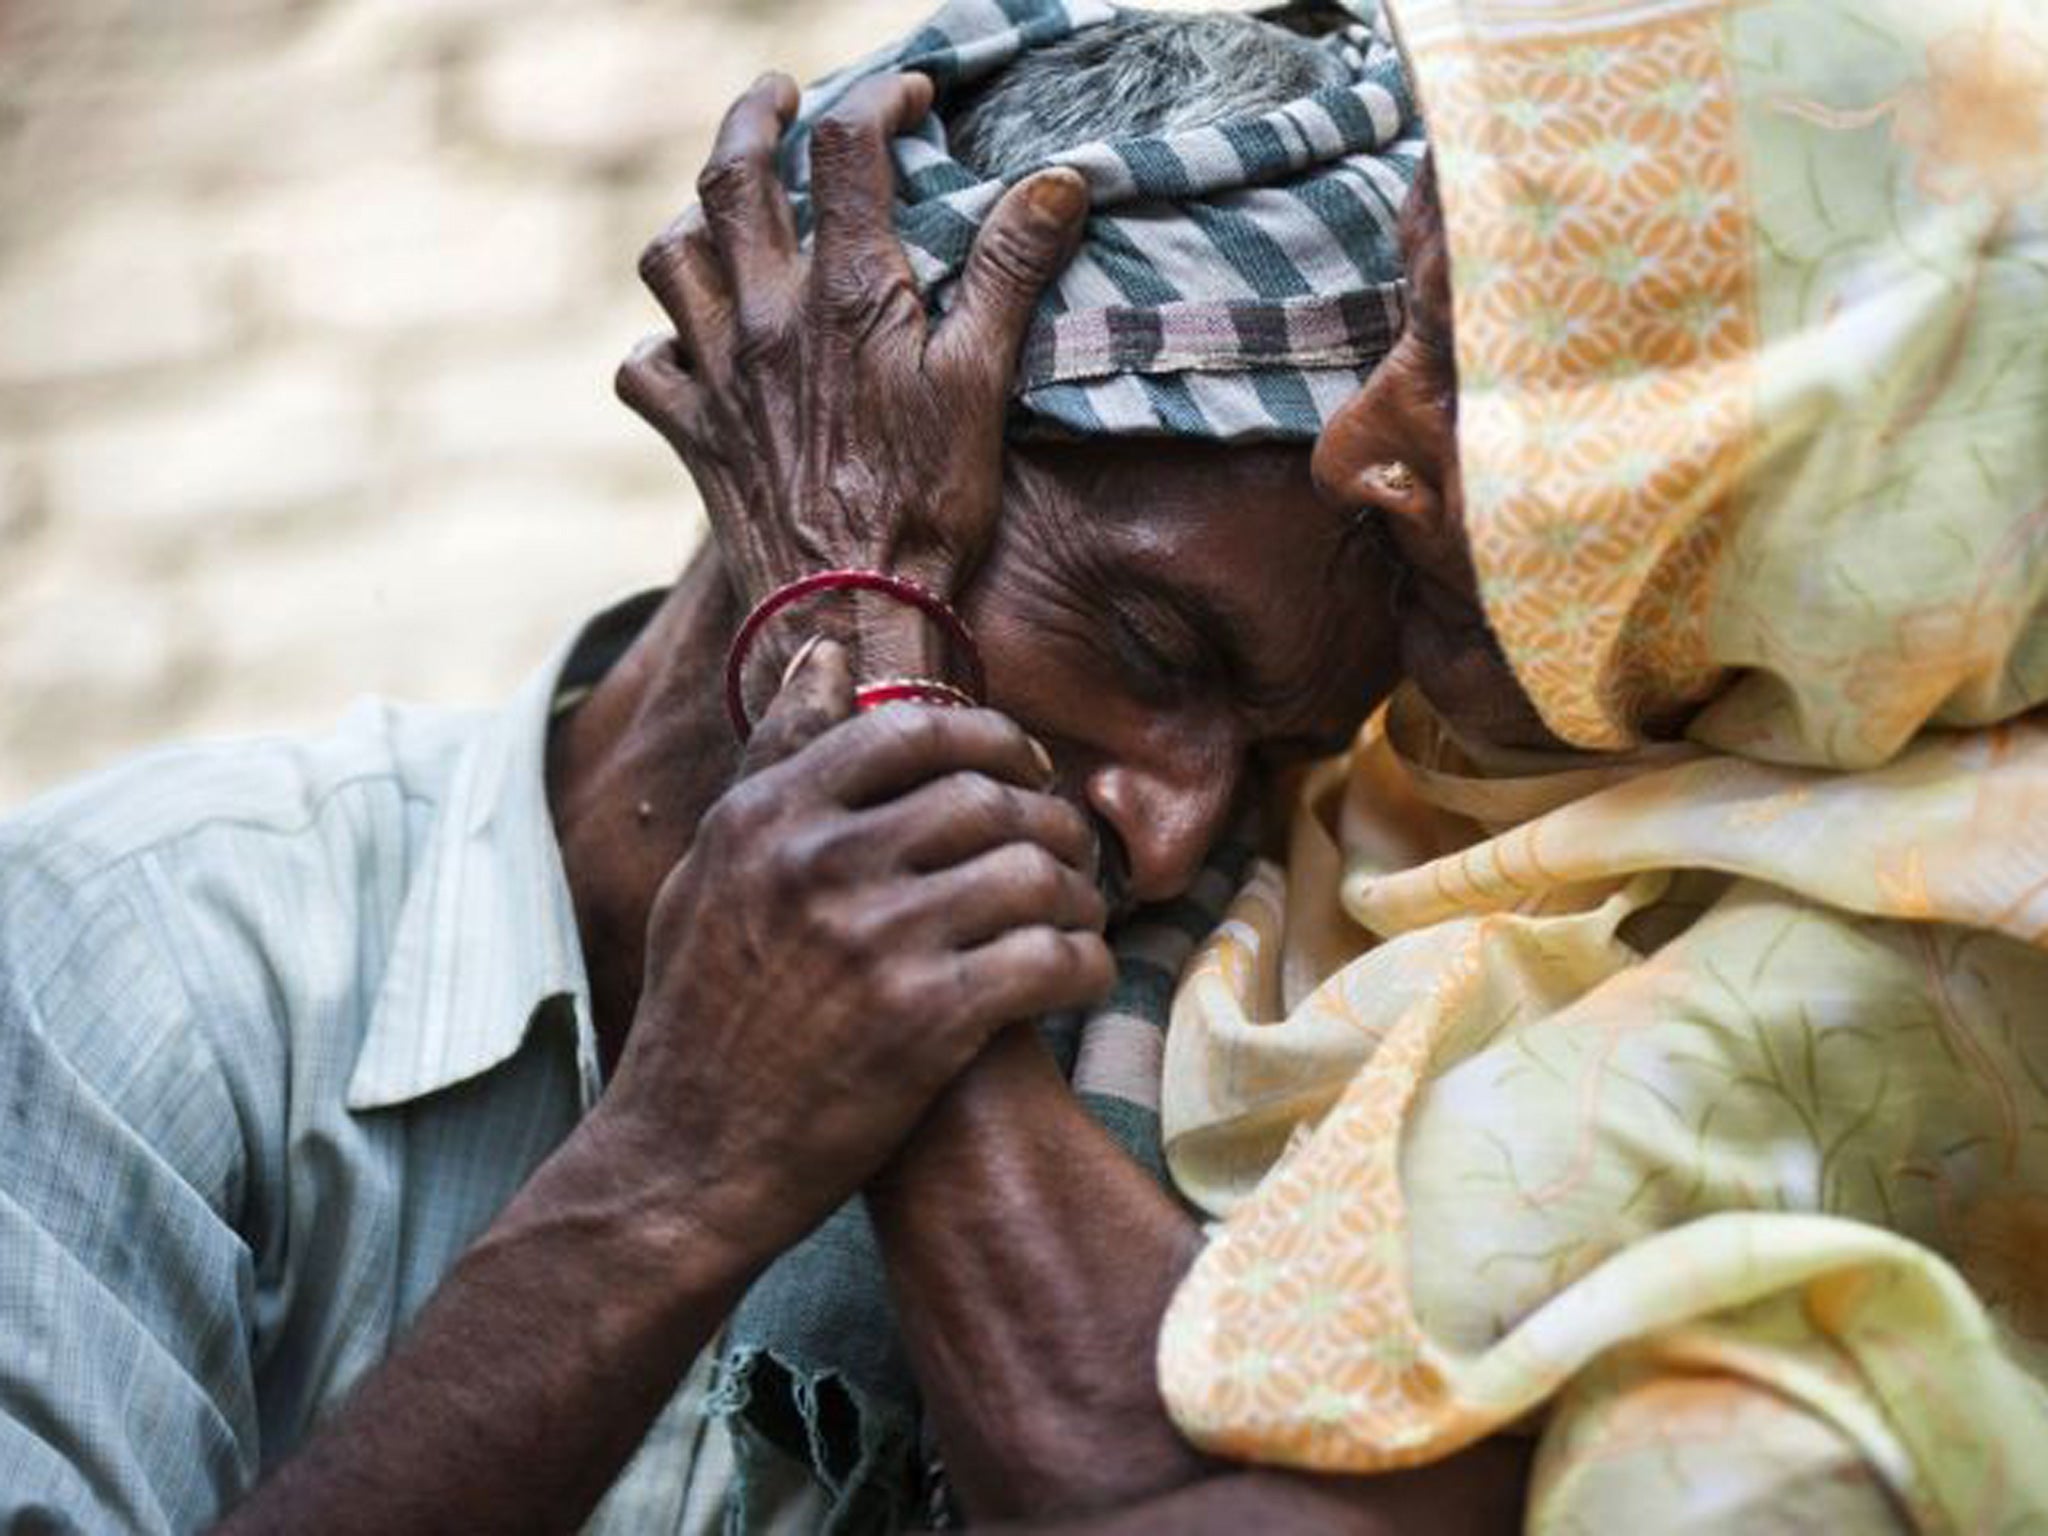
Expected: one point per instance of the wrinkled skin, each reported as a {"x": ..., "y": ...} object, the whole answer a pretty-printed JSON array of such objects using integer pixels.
[
  {"x": 794, "y": 482},
  {"x": 795, "y": 950},
  {"x": 1164, "y": 617},
  {"x": 1407, "y": 413},
  {"x": 908, "y": 866},
  {"x": 784, "y": 972},
  {"x": 768, "y": 338},
  {"x": 1137, "y": 611},
  {"x": 1170, "y": 621},
  {"x": 830, "y": 942}
]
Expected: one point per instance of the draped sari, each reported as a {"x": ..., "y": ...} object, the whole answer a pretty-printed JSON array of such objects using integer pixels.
[{"x": 1682, "y": 1099}]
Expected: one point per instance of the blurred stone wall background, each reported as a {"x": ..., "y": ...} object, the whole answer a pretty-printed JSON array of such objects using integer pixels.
[{"x": 308, "y": 314}]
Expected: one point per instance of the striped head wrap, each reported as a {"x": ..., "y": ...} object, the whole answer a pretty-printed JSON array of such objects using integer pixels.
[{"x": 1236, "y": 282}]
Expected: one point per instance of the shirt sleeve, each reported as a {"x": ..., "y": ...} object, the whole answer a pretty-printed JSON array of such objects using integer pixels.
[{"x": 127, "y": 1397}]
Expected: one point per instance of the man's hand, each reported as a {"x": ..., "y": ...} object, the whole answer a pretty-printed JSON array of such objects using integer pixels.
[
  {"x": 1031, "y": 1261},
  {"x": 825, "y": 419},
  {"x": 856, "y": 918},
  {"x": 859, "y": 913}
]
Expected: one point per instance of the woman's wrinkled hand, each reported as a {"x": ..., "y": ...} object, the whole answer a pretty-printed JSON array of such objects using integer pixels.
[
  {"x": 826, "y": 420},
  {"x": 870, "y": 903}
]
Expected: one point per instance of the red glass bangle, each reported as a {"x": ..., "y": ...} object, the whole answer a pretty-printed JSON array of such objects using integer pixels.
[
  {"x": 902, "y": 588},
  {"x": 914, "y": 690}
]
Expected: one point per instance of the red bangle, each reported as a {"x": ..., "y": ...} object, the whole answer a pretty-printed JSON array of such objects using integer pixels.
[
  {"x": 902, "y": 588},
  {"x": 914, "y": 690}
]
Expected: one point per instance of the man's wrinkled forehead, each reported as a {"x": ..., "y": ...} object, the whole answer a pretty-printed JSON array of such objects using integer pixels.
[
  {"x": 1209, "y": 530},
  {"x": 1155, "y": 479}
]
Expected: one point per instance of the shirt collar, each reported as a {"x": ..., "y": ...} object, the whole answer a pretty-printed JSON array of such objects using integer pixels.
[{"x": 487, "y": 939}]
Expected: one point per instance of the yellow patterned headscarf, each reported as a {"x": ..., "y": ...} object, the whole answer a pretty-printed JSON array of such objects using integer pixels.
[
  {"x": 1685, "y": 1102},
  {"x": 1750, "y": 343}
]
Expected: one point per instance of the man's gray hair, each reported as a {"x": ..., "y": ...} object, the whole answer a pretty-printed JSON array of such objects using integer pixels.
[{"x": 1142, "y": 74}]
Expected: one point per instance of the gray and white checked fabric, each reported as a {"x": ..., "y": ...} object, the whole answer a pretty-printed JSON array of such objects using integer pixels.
[
  {"x": 283, "y": 1025},
  {"x": 1236, "y": 283}
]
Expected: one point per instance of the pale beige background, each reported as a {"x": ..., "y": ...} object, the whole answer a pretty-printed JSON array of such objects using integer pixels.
[{"x": 308, "y": 314}]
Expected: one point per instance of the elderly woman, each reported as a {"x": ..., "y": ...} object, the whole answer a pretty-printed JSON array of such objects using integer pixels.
[
  {"x": 1636, "y": 1048},
  {"x": 1684, "y": 1088}
]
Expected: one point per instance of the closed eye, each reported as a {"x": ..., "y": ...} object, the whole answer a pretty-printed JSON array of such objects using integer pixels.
[{"x": 1158, "y": 649}]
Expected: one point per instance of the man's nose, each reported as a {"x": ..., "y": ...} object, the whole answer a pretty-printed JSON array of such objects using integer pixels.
[{"x": 1167, "y": 820}]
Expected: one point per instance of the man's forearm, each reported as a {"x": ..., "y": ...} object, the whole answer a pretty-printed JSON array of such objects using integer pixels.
[
  {"x": 1031, "y": 1261},
  {"x": 1477, "y": 1493},
  {"x": 531, "y": 1376}
]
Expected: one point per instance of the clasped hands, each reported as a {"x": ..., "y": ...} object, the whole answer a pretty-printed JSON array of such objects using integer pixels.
[{"x": 876, "y": 897}]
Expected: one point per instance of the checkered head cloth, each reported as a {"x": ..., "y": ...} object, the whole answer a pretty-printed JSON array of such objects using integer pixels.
[{"x": 1237, "y": 281}]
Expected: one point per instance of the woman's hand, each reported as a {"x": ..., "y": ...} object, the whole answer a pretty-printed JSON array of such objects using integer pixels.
[{"x": 826, "y": 421}]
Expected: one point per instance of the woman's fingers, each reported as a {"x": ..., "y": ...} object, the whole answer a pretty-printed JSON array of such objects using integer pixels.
[
  {"x": 800, "y": 373},
  {"x": 683, "y": 272},
  {"x": 656, "y": 386},
  {"x": 740, "y": 240},
  {"x": 727, "y": 272},
  {"x": 745, "y": 205},
  {"x": 853, "y": 185},
  {"x": 1026, "y": 242}
]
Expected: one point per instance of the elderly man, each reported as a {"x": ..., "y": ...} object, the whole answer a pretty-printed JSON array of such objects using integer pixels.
[{"x": 394, "y": 1118}]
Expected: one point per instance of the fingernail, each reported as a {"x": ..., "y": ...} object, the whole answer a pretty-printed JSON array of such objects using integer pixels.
[
  {"x": 796, "y": 662},
  {"x": 1058, "y": 199},
  {"x": 1044, "y": 760}
]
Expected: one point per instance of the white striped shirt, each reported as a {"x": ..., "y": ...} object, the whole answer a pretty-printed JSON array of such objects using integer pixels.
[{"x": 283, "y": 1025}]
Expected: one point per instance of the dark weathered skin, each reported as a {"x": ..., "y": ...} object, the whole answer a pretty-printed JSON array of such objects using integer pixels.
[
  {"x": 1407, "y": 413},
  {"x": 907, "y": 885},
  {"x": 770, "y": 342},
  {"x": 902, "y": 913},
  {"x": 903, "y": 885},
  {"x": 1032, "y": 1263}
]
